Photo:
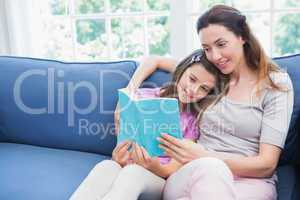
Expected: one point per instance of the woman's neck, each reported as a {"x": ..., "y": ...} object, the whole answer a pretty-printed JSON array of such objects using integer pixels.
[{"x": 243, "y": 73}]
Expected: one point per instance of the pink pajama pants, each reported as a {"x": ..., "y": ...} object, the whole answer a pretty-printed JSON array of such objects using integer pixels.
[{"x": 211, "y": 179}]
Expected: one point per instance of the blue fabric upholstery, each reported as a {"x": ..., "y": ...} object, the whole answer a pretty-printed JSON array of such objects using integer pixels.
[
  {"x": 296, "y": 193},
  {"x": 51, "y": 128},
  {"x": 292, "y": 65},
  {"x": 286, "y": 181},
  {"x": 35, "y": 173}
]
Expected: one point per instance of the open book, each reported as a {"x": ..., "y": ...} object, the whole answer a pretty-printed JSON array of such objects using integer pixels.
[{"x": 142, "y": 120}]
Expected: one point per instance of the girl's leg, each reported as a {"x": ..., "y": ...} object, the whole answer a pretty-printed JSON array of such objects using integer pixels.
[
  {"x": 133, "y": 181},
  {"x": 204, "y": 178},
  {"x": 98, "y": 182}
]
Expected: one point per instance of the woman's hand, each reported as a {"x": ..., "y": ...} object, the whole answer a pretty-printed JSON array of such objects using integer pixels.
[
  {"x": 141, "y": 157},
  {"x": 121, "y": 154},
  {"x": 183, "y": 150}
]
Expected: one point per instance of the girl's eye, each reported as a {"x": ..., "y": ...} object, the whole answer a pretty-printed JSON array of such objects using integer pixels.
[
  {"x": 206, "y": 49},
  {"x": 204, "y": 89},
  {"x": 192, "y": 79}
]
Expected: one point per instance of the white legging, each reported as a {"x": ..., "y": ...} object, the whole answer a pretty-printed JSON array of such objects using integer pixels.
[{"x": 109, "y": 181}]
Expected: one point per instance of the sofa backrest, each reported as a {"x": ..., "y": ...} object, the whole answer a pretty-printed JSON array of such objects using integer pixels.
[
  {"x": 62, "y": 105},
  {"x": 92, "y": 131},
  {"x": 291, "y": 150}
]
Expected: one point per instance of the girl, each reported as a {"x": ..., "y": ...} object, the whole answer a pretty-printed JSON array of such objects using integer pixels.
[{"x": 197, "y": 84}]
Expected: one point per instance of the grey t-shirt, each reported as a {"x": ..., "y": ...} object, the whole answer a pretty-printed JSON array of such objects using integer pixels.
[{"x": 237, "y": 129}]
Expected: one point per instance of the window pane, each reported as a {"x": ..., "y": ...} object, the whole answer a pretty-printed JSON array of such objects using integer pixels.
[
  {"x": 200, "y": 6},
  {"x": 194, "y": 38},
  {"x": 91, "y": 39},
  {"x": 155, "y": 5},
  {"x": 133, "y": 38},
  {"x": 286, "y": 3},
  {"x": 116, "y": 37},
  {"x": 127, "y": 38},
  {"x": 287, "y": 34},
  {"x": 261, "y": 28},
  {"x": 56, "y": 40},
  {"x": 89, "y": 6},
  {"x": 159, "y": 35},
  {"x": 126, "y": 5},
  {"x": 58, "y": 7},
  {"x": 251, "y": 5}
]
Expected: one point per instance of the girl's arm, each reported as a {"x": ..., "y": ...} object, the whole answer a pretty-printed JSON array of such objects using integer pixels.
[{"x": 149, "y": 65}]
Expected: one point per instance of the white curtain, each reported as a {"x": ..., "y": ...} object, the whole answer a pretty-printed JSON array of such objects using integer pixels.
[
  {"x": 4, "y": 44},
  {"x": 15, "y": 27}
]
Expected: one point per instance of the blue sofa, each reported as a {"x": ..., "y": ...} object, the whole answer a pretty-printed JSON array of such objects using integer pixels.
[{"x": 56, "y": 124}]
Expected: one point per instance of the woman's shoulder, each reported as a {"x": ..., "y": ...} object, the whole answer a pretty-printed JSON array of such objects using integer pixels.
[
  {"x": 285, "y": 90},
  {"x": 282, "y": 79}
]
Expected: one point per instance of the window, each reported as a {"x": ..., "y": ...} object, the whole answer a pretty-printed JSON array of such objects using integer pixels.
[
  {"x": 87, "y": 30},
  {"x": 276, "y": 23},
  {"x": 101, "y": 29}
]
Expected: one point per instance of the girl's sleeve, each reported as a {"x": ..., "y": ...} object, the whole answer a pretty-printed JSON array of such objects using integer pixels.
[{"x": 190, "y": 127}]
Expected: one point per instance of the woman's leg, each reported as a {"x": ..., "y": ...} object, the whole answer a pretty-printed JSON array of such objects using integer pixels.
[
  {"x": 98, "y": 182},
  {"x": 133, "y": 181},
  {"x": 258, "y": 189},
  {"x": 204, "y": 178}
]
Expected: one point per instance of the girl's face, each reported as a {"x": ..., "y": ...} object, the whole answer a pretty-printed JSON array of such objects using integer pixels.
[
  {"x": 194, "y": 84},
  {"x": 222, "y": 47}
]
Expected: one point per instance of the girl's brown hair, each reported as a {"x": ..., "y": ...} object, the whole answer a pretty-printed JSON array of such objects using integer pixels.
[
  {"x": 198, "y": 57},
  {"x": 235, "y": 22}
]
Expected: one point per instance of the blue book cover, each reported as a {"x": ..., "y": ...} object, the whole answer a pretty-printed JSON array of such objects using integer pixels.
[{"x": 143, "y": 120}]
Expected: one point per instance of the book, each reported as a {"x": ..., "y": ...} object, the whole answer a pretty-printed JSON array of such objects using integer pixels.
[{"x": 143, "y": 120}]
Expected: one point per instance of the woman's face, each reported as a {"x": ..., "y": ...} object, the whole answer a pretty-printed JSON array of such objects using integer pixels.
[
  {"x": 222, "y": 47},
  {"x": 194, "y": 84}
]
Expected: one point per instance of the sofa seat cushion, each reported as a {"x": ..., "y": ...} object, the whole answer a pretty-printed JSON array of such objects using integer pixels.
[
  {"x": 287, "y": 179},
  {"x": 35, "y": 173}
]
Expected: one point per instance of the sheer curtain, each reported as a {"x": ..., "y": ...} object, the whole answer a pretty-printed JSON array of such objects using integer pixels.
[
  {"x": 16, "y": 31},
  {"x": 4, "y": 44}
]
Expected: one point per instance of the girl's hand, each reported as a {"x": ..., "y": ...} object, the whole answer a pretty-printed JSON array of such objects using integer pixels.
[
  {"x": 121, "y": 154},
  {"x": 141, "y": 157},
  {"x": 183, "y": 150}
]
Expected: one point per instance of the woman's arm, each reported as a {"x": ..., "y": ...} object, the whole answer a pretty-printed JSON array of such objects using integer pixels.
[
  {"x": 261, "y": 166},
  {"x": 149, "y": 65},
  {"x": 166, "y": 170}
]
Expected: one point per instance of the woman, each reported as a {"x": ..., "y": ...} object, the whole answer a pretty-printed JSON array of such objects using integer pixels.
[
  {"x": 196, "y": 84},
  {"x": 243, "y": 134}
]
